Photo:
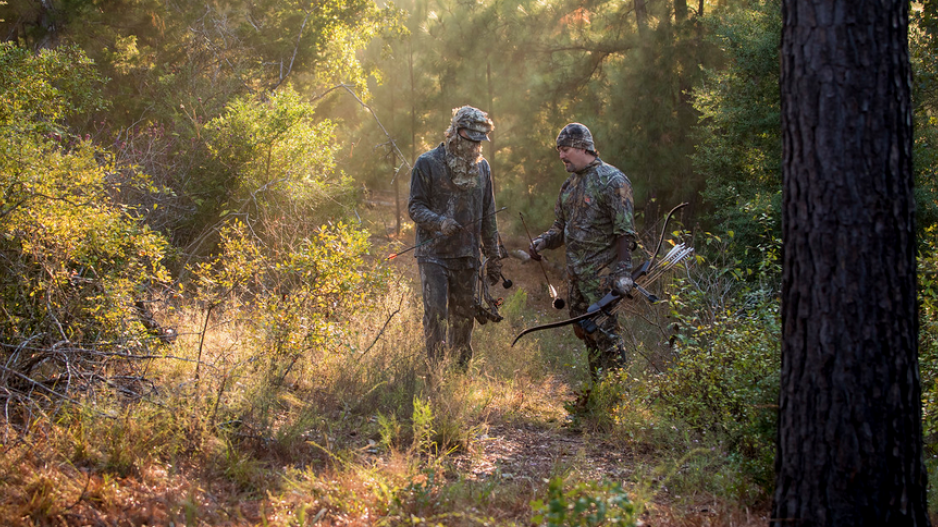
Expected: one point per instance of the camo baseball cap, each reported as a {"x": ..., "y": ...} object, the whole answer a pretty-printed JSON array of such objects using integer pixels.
[
  {"x": 575, "y": 135},
  {"x": 474, "y": 121}
]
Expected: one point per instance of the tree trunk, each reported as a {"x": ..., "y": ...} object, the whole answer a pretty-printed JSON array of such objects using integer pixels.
[
  {"x": 641, "y": 16},
  {"x": 850, "y": 434},
  {"x": 698, "y": 24},
  {"x": 413, "y": 108},
  {"x": 680, "y": 11}
]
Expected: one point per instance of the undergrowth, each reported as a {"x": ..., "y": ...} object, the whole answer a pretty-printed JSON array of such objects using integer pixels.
[{"x": 257, "y": 417}]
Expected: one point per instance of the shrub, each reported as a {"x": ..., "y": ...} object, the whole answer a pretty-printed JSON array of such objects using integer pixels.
[
  {"x": 269, "y": 162},
  {"x": 299, "y": 291},
  {"x": 724, "y": 375},
  {"x": 75, "y": 264},
  {"x": 928, "y": 334},
  {"x": 584, "y": 504}
]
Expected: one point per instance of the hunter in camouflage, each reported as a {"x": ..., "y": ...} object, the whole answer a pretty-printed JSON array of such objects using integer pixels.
[
  {"x": 595, "y": 221},
  {"x": 453, "y": 205}
]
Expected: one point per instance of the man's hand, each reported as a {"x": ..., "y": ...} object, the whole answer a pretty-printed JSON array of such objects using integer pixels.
[
  {"x": 493, "y": 271},
  {"x": 622, "y": 284},
  {"x": 537, "y": 245},
  {"x": 449, "y": 226}
]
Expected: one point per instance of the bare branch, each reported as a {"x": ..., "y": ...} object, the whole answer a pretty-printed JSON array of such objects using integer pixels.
[
  {"x": 296, "y": 48},
  {"x": 383, "y": 328},
  {"x": 381, "y": 126}
]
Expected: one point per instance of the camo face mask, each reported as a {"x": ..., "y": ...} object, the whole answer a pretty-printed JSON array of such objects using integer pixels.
[{"x": 463, "y": 157}]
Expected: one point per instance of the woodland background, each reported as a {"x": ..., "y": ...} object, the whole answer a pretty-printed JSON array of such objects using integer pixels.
[{"x": 198, "y": 322}]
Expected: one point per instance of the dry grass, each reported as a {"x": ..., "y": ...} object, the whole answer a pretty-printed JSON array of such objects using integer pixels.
[{"x": 360, "y": 430}]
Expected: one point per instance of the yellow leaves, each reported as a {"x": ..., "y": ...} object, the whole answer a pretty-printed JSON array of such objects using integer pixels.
[
  {"x": 74, "y": 254},
  {"x": 297, "y": 287},
  {"x": 126, "y": 54}
]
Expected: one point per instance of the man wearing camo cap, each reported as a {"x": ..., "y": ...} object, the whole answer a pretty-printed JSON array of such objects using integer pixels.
[
  {"x": 453, "y": 204},
  {"x": 595, "y": 221}
]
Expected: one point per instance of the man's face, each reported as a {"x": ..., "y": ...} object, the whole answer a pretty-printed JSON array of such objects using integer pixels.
[
  {"x": 473, "y": 147},
  {"x": 574, "y": 159}
]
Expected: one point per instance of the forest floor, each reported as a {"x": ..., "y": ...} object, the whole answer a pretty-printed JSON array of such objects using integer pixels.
[
  {"x": 526, "y": 450},
  {"x": 77, "y": 474},
  {"x": 517, "y": 451}
]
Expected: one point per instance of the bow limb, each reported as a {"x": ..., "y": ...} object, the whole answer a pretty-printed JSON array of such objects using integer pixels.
[
  {"x": 599, "y": 308},
  {"x": 558, "y": 324},
  {"x": 664, "y": 232},
  {"x": 486, "y": 306},
  {"x": 605, "y": 306}
]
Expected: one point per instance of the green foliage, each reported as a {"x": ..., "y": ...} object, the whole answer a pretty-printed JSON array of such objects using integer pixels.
[
  {"x": 390, "y": 430},
  {"x": 923, "y": 47},
  {"x": 724, "y": 377},
  {"x": 300, "y": 289},
  {"x": 423, "y": 428},
  {"x": 268, "y": 158},
  {"x": 587, "y": 504},
  {"x": 40, "y": 91},
  {"x": 161, "y": 55},
  {"x": 928, "y": 335},
  {"x": 925, "y": 158},
  {"x": 725, "y": 381},
  {"x": 595, "y": 406},
  {"x": 174, "y": 68},
  {"x": 74, "y": 261},
  {"x": 738, "y": 140}
]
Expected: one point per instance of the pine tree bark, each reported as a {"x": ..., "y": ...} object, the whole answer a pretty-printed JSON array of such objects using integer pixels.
[
  {"x": 641, "y": 16},
  {"x": 850, "y": 434}
]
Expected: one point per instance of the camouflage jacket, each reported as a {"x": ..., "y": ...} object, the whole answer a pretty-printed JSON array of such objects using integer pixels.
[
  {"x": 594, "y": 208},
  {"x": 434, "y": 197}
]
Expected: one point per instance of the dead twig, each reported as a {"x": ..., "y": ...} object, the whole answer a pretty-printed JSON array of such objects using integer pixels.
[
  {"x": 38, "y": 384},
  {"x": 383, "y": 328}
]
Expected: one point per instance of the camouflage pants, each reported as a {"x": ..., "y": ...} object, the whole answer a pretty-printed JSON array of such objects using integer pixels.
[
  {"x": 447, "y": 304},
  {"x": 604, "y": 347}
]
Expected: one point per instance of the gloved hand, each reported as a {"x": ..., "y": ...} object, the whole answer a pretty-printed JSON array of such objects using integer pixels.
[
  {"x": 493, "y": 271},
  {"x": 449, "y": 226},
  {"x": 622, "y": 284},
  {"x": 537, "y": 245}
]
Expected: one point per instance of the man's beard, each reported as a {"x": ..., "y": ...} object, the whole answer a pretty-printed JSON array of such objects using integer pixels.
[{"x": 463, "y": 157}]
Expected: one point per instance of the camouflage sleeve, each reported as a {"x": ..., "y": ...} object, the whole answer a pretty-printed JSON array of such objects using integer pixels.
[
  {"x": 621, "y": 206},
  {"x": 554, "y": 236},
  {"x": 489, "y": 222},
  {"x": 419, "y": 203}
]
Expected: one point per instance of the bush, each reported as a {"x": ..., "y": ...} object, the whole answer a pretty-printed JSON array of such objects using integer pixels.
[
  {"x": 584, "y": 504},
  {"x": 75, "y": 264},
  {"x": 724, "y": 376},
  {"x": 268, "y": 160},
  {"x": 300, "y": 292},
  {"x": 928, "y": 335}
]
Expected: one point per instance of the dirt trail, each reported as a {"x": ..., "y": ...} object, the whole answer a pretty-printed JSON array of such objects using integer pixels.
[{"x": 520, "y": 451}]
